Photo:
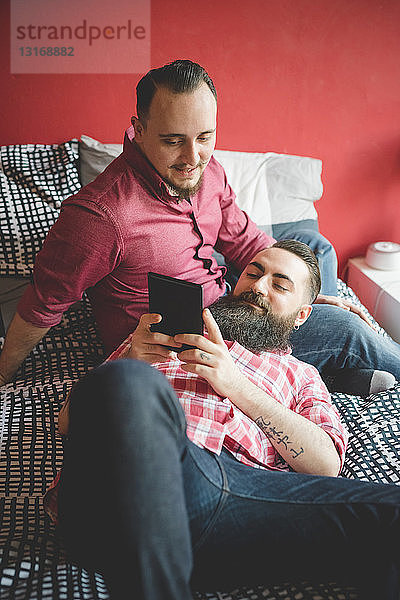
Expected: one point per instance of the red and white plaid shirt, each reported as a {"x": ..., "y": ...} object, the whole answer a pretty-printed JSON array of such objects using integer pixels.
[{"x": 213, "y": 422}]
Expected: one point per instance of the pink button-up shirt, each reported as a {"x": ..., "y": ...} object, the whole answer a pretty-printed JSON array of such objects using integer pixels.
[{"x": 126, "y": 223}]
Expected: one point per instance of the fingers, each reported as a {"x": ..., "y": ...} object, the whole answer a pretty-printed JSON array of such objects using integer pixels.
[
  {"x": 346, "y": 305},
  {"x": 200, "y": 341},
  {"x": 334, "y": 300},
  {"x": 151, "y": 353},
  {"x": 160, "y": 357},
  {"x": 197, "y": 356},
  {"x": 154, "y": 337},
  {"x": 205, "y": 357},
  {"x": 343, "y": 305},
  {"x": 161, "y": 339},
  {"x": 354, "y": 308},
  {"x": 195, "y": 368},
  {"x": 357, "y": 310},
  {"x": 203, "y": 366},
  {"x": 148, "y": 319},
  {"x": 214, "y": 333},
  {"x": 339, "y": 302},
  {"x": 193, "y": 339},
  {"x": 151, "y": 346}
]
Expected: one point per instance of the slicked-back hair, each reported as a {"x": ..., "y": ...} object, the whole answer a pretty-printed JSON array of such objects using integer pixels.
[
  {"x": 180, "y": 76},
  {"x": 307, "y": 255}
]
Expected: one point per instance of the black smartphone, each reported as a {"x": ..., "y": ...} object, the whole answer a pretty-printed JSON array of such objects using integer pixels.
[{"x": 179, "y": 302}]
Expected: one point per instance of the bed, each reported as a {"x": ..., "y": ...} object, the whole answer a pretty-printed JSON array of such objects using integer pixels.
[{"x": 279, "y": 193}]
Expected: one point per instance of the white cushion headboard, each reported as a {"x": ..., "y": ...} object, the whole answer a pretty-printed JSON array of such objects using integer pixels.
[{"x": 272, "y": 188}]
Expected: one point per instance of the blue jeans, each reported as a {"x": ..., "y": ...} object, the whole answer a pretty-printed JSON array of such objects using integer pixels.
[
  {"x": 326, "y": 256},
  {"x": 158, "y": 516},
  {"x": 333, "y": 338}
]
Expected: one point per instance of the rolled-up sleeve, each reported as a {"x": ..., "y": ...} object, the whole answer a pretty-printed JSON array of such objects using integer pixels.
[
  {"x": 82, "y": 247},
  {"x": 315, "y": 405}
]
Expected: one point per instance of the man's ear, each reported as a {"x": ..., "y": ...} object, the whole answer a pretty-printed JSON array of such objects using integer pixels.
[
  {"x": 303, "y": 314},
  {"x": 138, "y": 127}
]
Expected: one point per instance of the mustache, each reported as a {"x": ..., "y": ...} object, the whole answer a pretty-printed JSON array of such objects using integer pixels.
[
  {"x": 254, "y": 298},
  {"x": 186, "y": 166}
]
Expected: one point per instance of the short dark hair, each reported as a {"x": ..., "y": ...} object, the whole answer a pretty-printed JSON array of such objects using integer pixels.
[
  {"x": 180, "y": 76},
  {"x": 307, "y": 255}
]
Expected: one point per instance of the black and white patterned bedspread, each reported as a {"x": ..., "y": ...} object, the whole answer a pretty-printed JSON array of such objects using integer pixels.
[{"x": 32, "y": 562}]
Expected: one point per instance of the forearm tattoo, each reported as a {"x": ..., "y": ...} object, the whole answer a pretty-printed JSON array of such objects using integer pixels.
[{"x": 278, "y": 437}]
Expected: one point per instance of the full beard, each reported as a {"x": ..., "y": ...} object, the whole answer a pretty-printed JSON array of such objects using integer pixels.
[{"x": 254, "y": 327}]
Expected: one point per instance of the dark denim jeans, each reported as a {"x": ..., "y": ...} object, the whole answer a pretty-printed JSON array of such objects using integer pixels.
[
  {"x": 325, "y": 253},
  {"x": 157, "y": 515},
  {"x": 333, "y": 338}
]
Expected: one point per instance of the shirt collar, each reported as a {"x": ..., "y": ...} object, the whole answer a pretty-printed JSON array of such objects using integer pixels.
[
  {"x": 144, "y": 169},
  {"x": 236, "y": 346}
]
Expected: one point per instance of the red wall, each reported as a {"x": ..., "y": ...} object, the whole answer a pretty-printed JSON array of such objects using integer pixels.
[{"x": 308, "y": 77}]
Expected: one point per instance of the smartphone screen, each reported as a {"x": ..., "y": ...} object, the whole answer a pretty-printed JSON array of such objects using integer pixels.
[{"x": 179, "y": 302}]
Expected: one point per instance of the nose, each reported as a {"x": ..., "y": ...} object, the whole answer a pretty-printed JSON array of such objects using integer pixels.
[
  {"x": 190, "y": 154},
  {"x": 261, "y": 286}
]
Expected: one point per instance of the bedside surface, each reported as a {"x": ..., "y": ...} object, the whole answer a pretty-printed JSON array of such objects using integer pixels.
[{"x": 379, "y": 291}]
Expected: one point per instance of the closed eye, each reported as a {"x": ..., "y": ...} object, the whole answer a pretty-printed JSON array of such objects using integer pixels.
[{"x": 280, "y": 287}]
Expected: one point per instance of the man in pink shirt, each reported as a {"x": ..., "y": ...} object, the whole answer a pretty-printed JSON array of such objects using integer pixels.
[{"x": 165, "y": 205}]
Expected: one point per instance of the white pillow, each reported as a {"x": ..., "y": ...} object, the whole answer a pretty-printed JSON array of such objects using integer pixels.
[
  {"x": 95, "y": 157},
  {"x": 273, "y": 188}
]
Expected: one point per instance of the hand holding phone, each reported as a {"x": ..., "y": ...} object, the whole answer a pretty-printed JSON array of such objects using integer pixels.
[
  {"x": 149, "y": 346},
  {"x": 179, "y": 302}
]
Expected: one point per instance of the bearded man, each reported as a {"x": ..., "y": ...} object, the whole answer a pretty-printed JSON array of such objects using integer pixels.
[{"x": 218, "y": 467}]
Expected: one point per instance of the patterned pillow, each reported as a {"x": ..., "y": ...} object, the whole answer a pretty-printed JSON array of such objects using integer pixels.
[
  {"x": 34, "y": 180},
  {"x": 373, "y": 453}
]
